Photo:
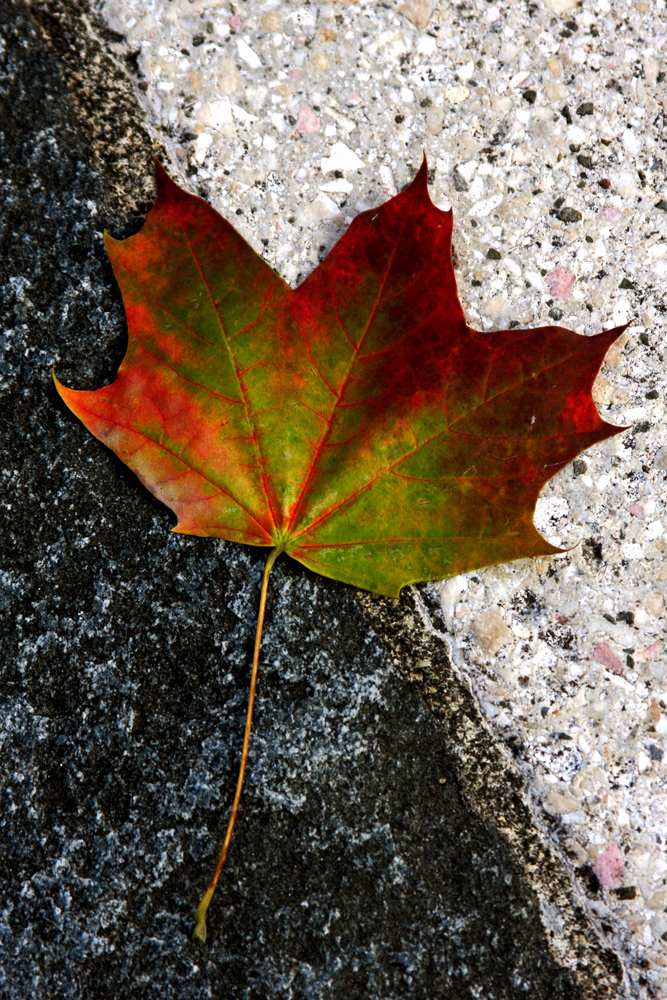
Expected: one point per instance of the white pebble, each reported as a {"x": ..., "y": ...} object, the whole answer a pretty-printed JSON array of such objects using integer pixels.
[
  {"x": 450, "y": 591},
  {"x": 217, "y": 113},
  {"x": 477, "y": 189},
  {"x": 467, "y": 170},
  {"x": 318, "y": 210},
  {"x": 625, "y": 183},
  {"x": 242, "y": 115},
  {"x": 202, "y": 146},
  {"x": 535, "y": 278},
  {"x": 345, "y": 123},
  {"x": 434, "y": 120},
  {"x": 247, "y": 54},
  {"x": 632, "y": 142},
  {"x": 485, "y": 207},
  {"x": 576, "y": 135},
  {"x": 339, "y": 186},
  {"x": 634, "y": 413},
  {"x": 632, "y": 550},
  {"x": 426, "y": 45},
  {"x": 341, "y": 158},
  {"x": 508, "y": 52},
  {"x": 387, "y": 179},
  {"x": 651, "y": 70},
  {"x": 562, "y": 6},
  {"x": 622, "y": 312},
  {"x": 456, "y": 95}
]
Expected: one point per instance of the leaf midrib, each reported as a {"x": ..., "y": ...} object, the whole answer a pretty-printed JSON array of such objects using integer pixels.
[
  {"x": 223, "y": 331},
  {"x": 355, "y": 354}
]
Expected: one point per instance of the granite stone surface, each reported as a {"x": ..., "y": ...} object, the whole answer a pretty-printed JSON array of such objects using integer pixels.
[{"x": 386, "y": 845}]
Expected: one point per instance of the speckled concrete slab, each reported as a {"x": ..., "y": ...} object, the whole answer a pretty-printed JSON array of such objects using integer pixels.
[{"x": 387, "y": 847}]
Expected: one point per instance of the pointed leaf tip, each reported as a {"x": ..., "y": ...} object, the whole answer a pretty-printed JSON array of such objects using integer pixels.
[
  {"x": 419, "y": 183},
  {"x": 166, "y": 187},
  {"x": 418, "y": 190}
]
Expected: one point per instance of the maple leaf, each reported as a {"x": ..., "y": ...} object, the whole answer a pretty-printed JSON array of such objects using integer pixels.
[{"x": 356, "y": 422}]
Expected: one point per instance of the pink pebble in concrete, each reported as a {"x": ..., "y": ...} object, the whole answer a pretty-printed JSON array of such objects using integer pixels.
[
  {"x": 560, "y": 282},
  {"x": 307, "y": 121},
  {"x": 603, "y": 654},
  {"x": 609, "y": 214},
  {"x": 609, "y": 867}
]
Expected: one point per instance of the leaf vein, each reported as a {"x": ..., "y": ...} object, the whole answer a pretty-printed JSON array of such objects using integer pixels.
[
  {"x": 179, "y": 458},
  {"x": 223, "y": 330}
]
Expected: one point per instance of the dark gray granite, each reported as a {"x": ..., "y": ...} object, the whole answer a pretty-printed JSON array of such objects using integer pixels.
[{"x": 384, "y": 848}]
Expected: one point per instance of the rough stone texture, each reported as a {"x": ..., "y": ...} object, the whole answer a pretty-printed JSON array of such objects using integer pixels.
[{"x": 385, "y": 847}]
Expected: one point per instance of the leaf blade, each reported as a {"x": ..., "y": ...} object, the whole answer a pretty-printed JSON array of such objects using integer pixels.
[{"x": 357, "y": 421}]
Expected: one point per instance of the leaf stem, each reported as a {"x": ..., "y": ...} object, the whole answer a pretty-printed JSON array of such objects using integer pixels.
[{"x": 199, "y": 933}]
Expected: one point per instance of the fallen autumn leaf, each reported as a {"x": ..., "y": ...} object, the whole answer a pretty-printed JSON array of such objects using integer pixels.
[{"x": 355, "y": 423}]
